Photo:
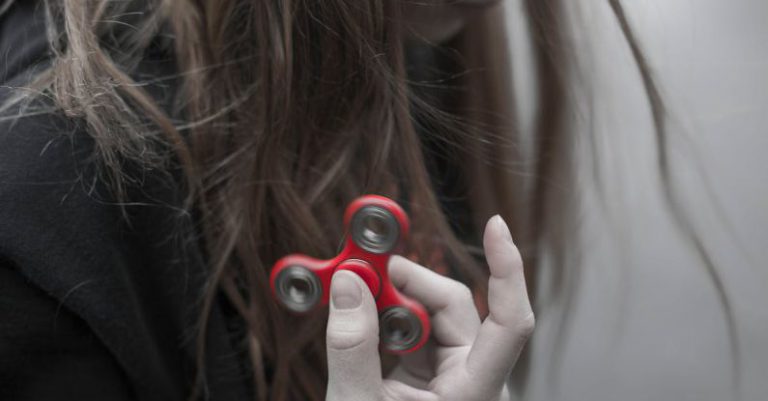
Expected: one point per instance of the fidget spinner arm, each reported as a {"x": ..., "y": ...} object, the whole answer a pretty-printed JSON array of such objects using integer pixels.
[{"x": 376, "y": 227}]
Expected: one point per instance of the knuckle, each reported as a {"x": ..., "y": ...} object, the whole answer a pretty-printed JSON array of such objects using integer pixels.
[
  {"x": 393, "y": 391},
  {"x": 347, "y": 339},
  {"x": 526, "y": 326},
  {"x": 337, "y": 391},
  {"x": 340, "y": 340},
  {"x": 461, "y": 292}
]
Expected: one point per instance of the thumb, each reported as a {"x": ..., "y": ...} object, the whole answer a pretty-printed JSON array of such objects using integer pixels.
[{"x": 354, "y": 370}]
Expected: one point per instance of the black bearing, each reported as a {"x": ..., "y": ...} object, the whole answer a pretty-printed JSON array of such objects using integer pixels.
[
  {"x": 399, "y": 329},
  {"x": 375, "y": 229},
  {"x": 298, "y": 288}
]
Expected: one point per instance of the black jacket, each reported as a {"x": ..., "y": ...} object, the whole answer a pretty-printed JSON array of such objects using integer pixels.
[{"x": 90, "y": 307}]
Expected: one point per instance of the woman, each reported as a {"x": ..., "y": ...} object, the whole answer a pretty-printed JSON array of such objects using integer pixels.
[{"x": 158, "y": 157}]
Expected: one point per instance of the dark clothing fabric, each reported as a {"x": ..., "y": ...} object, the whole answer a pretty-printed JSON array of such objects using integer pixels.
[{"x": 93, "y": 308}]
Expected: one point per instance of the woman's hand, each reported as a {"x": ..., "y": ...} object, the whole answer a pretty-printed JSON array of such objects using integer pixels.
[{"x": 466, "y": 360}]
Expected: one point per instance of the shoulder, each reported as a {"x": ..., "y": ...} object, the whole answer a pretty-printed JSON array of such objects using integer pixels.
[
  {"x": 43, "y": 168},
  {"x": 48, "y": 189},
  {"x": 62, "y": 233},
  {"x": 133, "y": 282},
  {"x": 136, "y": 284},
  {"x": 42, "y": 156}
]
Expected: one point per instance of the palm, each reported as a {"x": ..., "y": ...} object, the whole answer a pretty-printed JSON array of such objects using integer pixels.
[{"x": 465, "y": 359}]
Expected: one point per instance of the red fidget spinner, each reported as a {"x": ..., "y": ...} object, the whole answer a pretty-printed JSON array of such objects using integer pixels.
[{"x": 375, "y": 228}]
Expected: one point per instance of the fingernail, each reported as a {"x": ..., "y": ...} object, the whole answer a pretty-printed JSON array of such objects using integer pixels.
[
  {"x": 503, "y": 228},
  {"x": 345, "y": 291}
]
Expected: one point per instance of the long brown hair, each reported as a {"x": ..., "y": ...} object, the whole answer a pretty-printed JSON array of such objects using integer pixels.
[{"x": 285, "y": 110}]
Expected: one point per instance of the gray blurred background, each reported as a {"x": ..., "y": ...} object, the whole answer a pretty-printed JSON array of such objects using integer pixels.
[{"x": 646, "y": 322}]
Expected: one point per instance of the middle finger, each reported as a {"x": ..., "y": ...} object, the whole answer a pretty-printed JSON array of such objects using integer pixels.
[{"x": 455, "y": 321}]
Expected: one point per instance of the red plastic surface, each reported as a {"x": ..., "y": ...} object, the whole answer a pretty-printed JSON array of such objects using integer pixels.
[{"x": 371, "y": 267}]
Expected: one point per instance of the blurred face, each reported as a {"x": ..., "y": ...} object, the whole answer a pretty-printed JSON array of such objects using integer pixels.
[{"x": 440, "y": 20}]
